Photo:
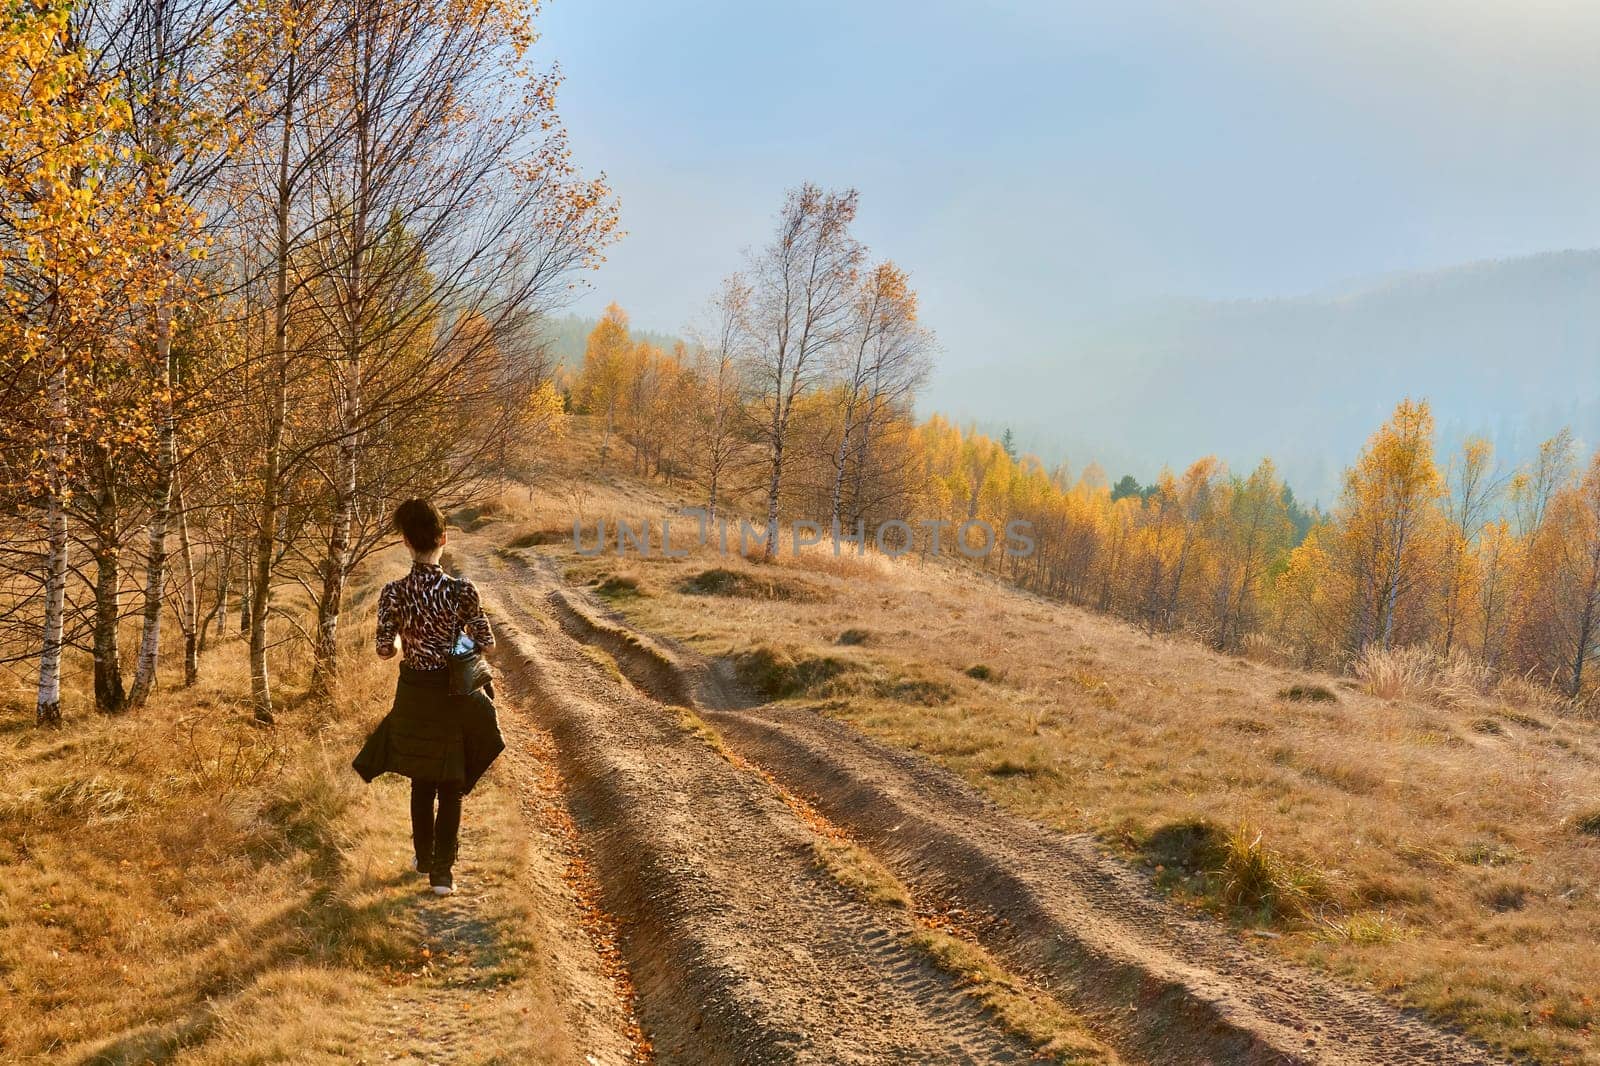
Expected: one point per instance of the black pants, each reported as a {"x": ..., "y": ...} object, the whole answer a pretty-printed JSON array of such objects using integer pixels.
[{"x": 434, "y": 835}]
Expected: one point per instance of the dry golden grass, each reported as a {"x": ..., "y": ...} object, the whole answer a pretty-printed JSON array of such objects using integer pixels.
[
  {"x": 1057, "y": 1035},
  {"x": 1429, "y": 845},
  {"x": 182, "y": 886}
]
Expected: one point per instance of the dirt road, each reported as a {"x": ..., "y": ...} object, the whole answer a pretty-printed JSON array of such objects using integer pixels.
[{"x": 744, "y": 950}]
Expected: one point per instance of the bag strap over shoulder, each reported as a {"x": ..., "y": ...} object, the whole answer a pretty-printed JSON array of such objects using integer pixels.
[{"x": 457, "y": 586}]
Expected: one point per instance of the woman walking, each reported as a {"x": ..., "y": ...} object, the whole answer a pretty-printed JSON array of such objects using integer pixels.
[{"x": 442, "y": 731}]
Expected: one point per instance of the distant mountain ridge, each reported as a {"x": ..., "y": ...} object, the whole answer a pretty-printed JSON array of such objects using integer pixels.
[{"x": 1508, "y": 348}]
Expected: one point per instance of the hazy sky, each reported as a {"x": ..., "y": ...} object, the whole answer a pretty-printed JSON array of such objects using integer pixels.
[{"x": 1036, "y": 162}]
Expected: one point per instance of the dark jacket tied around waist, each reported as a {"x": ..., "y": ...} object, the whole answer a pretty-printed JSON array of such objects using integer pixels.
[{"x": 431, "y": 735}]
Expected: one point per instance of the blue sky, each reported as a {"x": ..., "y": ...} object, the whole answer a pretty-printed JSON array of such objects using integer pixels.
[{"x": 1034, "y": 164}]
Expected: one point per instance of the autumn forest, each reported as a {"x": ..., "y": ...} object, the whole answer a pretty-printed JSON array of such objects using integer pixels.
[{"x": 1430, "y": 570}]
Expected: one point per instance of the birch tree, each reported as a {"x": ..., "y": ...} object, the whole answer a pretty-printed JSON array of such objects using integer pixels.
[
  {"x": 58, "y": 216},
  {"x": 167, "y": 55},
  {"x": 1387, "y": 516},
  {"x": 883, "y": 361},
  {"x": 279, "y": 161},
  {"x": 451, "y": 216},
  {"x": 1471, "y": 494},
  {"x": 714, "y": 439},
  {"x": 1254, "y": 530},
  {"x": 602, "y": 379},
  {"x": 804, "y": 284},
  {"x": 1561, "y": 633}
]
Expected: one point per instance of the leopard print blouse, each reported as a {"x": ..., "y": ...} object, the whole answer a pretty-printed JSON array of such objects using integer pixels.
[{"x": 422, "y": 609}]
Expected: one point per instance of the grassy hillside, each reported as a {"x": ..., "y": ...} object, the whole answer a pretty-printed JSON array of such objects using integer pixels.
[
  {"x": 182, "y": 886},
  {"x": 1435, "y": 844}
]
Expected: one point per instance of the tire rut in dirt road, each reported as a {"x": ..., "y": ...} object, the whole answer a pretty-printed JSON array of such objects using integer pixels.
[
  {"x": 595, "y": 988},
  {"x": 742, "y": 948},
  {"x": 1170, "y": 986}
]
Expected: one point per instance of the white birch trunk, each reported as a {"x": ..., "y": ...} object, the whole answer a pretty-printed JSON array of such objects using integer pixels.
[
  {"x": 190, "y": 592},
  {"x": 144, "y": 677},
  {"x": 48, "y": 708}
]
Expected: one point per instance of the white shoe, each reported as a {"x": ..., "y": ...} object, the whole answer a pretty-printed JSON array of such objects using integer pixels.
[{"x": 444, "y": 890}]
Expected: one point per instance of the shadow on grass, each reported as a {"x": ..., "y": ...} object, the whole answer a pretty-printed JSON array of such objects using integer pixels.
[{"x": 326, "y": 929}]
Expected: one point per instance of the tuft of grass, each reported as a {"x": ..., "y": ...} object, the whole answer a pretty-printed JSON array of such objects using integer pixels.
[
  {"x": 1368, "y": 927},
  {"x": 474, "y": 517},
  {"x": 1305, "y": 692},
  {"x": 1253, "y": 877},
  {"x": 1420, "y": 673},
  {"x": 778, "y": 674},
  {"x": 767, "y": 585},
  {"x": 1588, "y": 823},
  {"x": 91, "y": 798},
  {"x": 1394, "y": 673},
  {"x": 853, "y": 637},
  {"x": 1094, "y": 685},
  {"x": 717, "y": 582},
  {"x": 1522, "y": 718},
  {"x": 1527, "y": 692},
  {"x": 1347, "y": 775},
  {"x": 1485, "y": 853},
  {"x": 306, "y": 806},
  {"x": 920, "y": 691},
  {"x": 534, "y": 538},
  {"x": 619, "y": 587},
  {"x": 979, "y": 672},
  {"x": 1505, "y": 896},
  {"x": 1383, "y": 889}
]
